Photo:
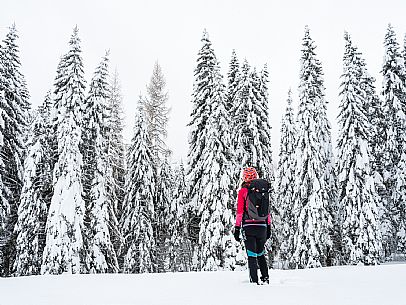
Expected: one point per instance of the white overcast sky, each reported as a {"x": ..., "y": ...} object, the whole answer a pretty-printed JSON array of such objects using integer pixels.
[{"x": 138, "y": 33}]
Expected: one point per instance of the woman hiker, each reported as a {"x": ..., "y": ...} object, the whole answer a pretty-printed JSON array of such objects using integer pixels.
[{"x": 254, "y": 218}]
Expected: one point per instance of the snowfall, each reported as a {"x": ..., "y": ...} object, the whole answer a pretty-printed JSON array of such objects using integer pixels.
[{"x": 371, "y": 285}]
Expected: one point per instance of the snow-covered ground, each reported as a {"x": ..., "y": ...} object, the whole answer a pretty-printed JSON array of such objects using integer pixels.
[{"x": 378, "y": 285}]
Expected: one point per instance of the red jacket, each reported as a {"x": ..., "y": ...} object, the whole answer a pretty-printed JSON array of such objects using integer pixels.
[{"x": 242, "y": 196}]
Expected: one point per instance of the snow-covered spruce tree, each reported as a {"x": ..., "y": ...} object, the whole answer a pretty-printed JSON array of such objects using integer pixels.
[
  {"x": 138, "y": 215},
  {"x": 323, "y": 134},
  {"x": 14, "y": 107},
  {"x": 64, "y": 229},
  {"x": 286, "y": 181},
  {"x": 313, "y": 244},
  {"x": 115, "y": 173},
  {"x": 394, "y": 105},
  {"x": 209, "y": 174},
  {"x": 163, "y": 199},
  {"x": 399, "y": 195},
  {"x": 244, "y": 120},
  {"x": 36, "y": 196},
  {"x": 361, "y": 237},
  {"x": 179, "y": 247},
  {"x": 399, "y": 188},
  {"x": 399, "y": 198},
  {"x": 100, "y": 253},
  {"x": 203, "y": 88},
  {"x": 251, "y": 129},
  {"x": 376, "y": 118},
  {"x": 217, "y": 248},
  {"x": 265, "y": 163},
  {"x": 265, "y": 153},
  {"x": 57, "y": 108},
  {"x": 233, "y": 78}
]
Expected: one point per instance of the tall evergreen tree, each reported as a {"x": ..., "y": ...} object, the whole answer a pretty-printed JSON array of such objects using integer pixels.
[
  {"x": 265, "y": 163},
  {"x": 244, "y": 126},
  {"x": 286, "y": 181},
  {"x": 179, "y": 246},
  {"x": 361, "y": 237},
  {"x": 399, "y": 198},
  {"x": 203, "y": 89},
  {"x": 115, "y": 158},
  {"x": 313, "y": 244},
  {"x": 234, "y": 78},
  {"x": 209, "y": 174},
  {"x": 163, "y": 199},
  {"x": 101, "y": 255},
  {"x": 376, "y": 117},
  {"x": 252, "y": 128},
  {"x": 64, "y": 241},
  {"x": 216, "y": 223},
  {"x": 137, "y": 219},
  {"x": 14, "y": 107},
  {"x": 394, "y": 105},
  {"x": 264, "y": 127},
  {"x": 35, "y": 197}
]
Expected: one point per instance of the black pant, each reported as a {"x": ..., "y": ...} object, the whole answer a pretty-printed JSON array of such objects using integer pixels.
[{"x": 254, "y": 239}]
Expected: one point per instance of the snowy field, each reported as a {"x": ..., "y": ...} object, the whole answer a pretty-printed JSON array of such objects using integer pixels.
[{"x": 357, "y": 285}]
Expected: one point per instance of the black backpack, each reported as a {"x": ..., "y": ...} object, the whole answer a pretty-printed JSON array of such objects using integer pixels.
[{"x": 257, "y": 205}]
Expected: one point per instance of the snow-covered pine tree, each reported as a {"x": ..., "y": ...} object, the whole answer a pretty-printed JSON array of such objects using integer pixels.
[
  {"x": 203, "y": 88},
  {"x": 217, "y": 248},
  {"x": 244, "y": 121},
  {"x": 209, "y": 174},
  {"x": 399, "y": 198},
  {"x": 376, "y": 118},
  {"x": 163, "y": 200},
  {"x": 285, "y": 182},
  {"x": 115, "y": 173},
  {"x": 136, "y": 223},
  {"x": 36, "y": 195},
  {"x": 233, "y": 77},
  {"x": 64, "y": 241},
  {"x": 252, "y": 129},
  {"x": 100, "y": 253},
  {"x": 57, "y": 109},
  {"x": 394, "y": 105},
  {"x": 47, "y": 186},
  {"x": 179, "y": 246},
  {"x": 358, "y": 199},
  {"x": 323, "y": 131},
  {"x": 265, "y": 163},
  {"x": 313, "y": 244},
  {"x": 14, "y": 108},
  {"x": 400, "y": 187}
]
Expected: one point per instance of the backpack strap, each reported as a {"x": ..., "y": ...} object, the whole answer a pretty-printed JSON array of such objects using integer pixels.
[{"x": 245, "y": 186}]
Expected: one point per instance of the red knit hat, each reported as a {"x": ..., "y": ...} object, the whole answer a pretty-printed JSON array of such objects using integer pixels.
[{"x": 249, "y": 174}]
